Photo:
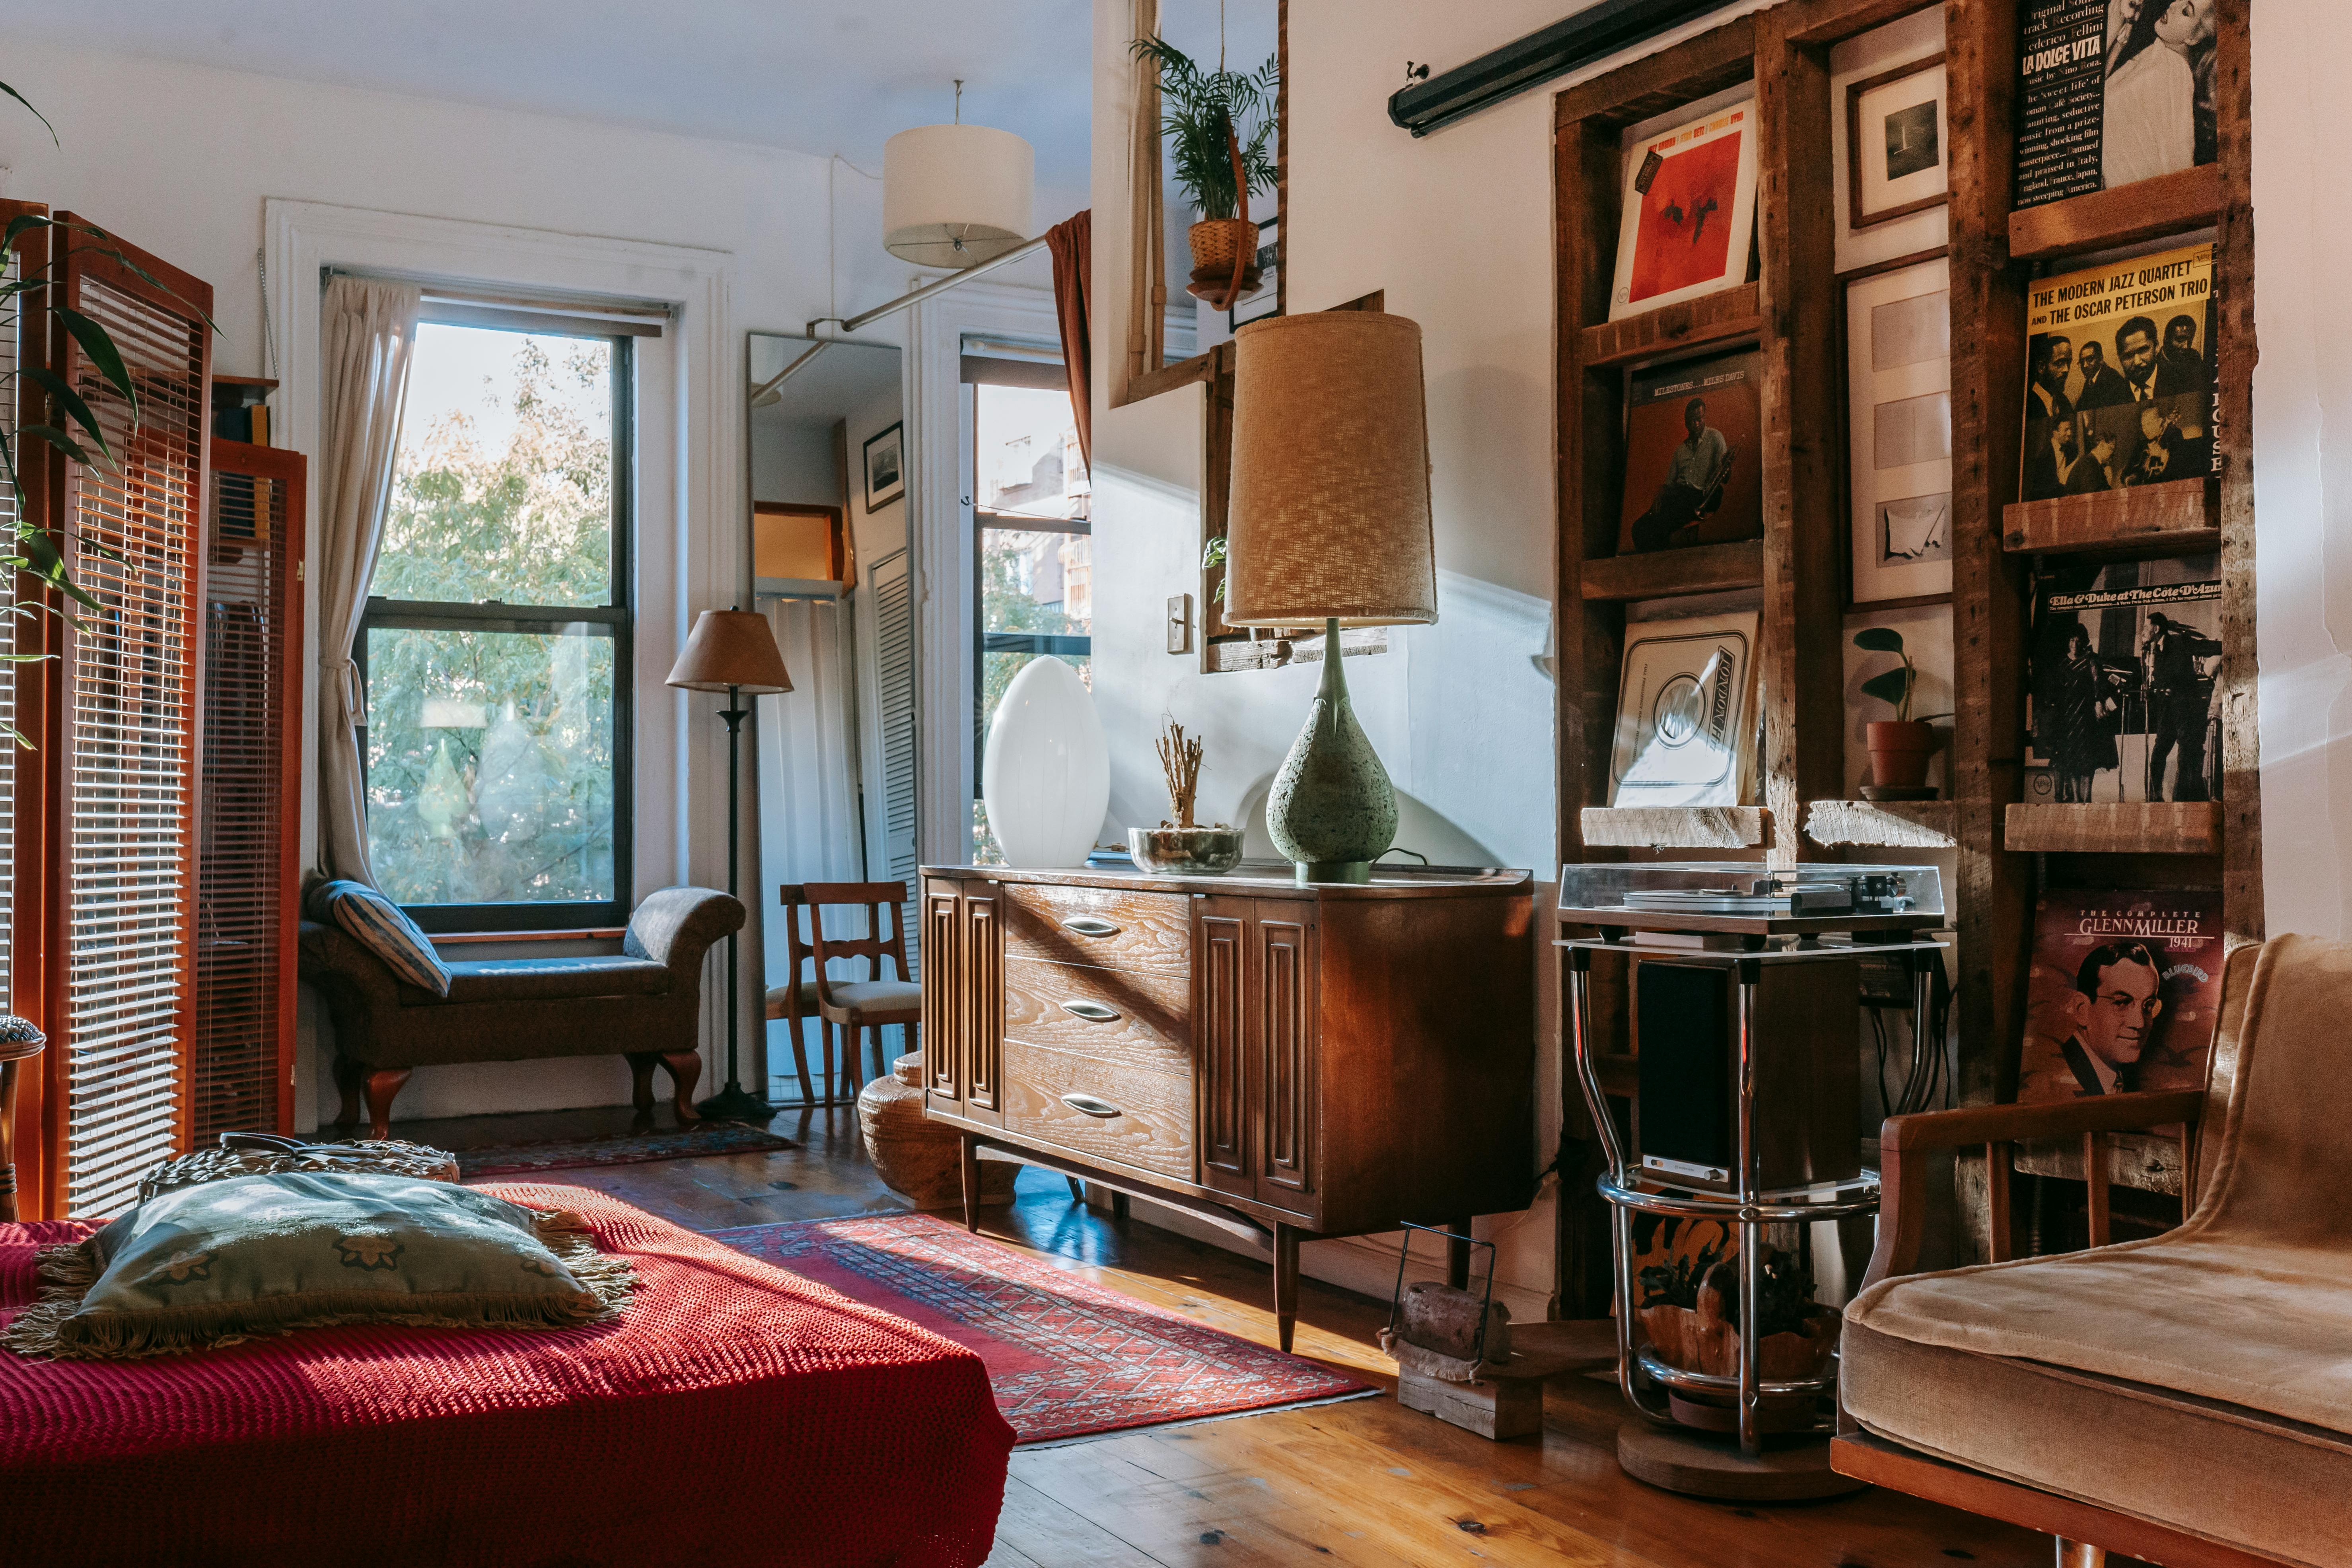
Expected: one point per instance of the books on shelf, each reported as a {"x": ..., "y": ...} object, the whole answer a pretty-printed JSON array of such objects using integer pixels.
[
  {"x": 2123, "y": 992},
  {"x": 1693, "y": 437},
  {"x": 2120, "y": 375},
  {"x": 2112, "y": 93},
  {"x": 2125, "y": 660},
  {"x": 1688, "y": 221},
  {"x": 1685, "y": 731}
]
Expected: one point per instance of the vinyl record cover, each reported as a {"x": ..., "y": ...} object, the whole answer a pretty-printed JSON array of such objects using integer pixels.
[
  {"x": 2123, "y": 992},
  {"x": 2120, "y": 375},
  {"x": 2112, "y": 92},
  {"x": 1685, "y": 734},
  {"x": 1693, "y": 432},
  {"x": 2124, "y": 660},
  {"x": 1689, "y": 218}
]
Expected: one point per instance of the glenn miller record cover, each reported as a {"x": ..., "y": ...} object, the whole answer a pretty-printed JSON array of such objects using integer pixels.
[{"x": 2123, "y": 992}]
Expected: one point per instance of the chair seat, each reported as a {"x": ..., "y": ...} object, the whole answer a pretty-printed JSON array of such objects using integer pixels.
[
  {"x": 778, "y": 994},
  {"x": 2138, "y": 1363},
  {"x": 544, "y": 979},
  {"x": 860, "y": 1003}
]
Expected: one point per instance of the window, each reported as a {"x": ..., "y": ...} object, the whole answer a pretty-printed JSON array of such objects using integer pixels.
[
  {"x": 1034, "y": 571},
  {"x": 495, "y": 650}
]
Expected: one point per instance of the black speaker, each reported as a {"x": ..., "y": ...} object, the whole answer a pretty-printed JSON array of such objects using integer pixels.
[{"x": 1806, "y": 1027}]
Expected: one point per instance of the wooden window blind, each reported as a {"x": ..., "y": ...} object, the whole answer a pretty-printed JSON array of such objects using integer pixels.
[
  {"x": 894, "y": 663},
  {"x": 121, "y": 1005},
  {"x": 241, "y": 1067}
]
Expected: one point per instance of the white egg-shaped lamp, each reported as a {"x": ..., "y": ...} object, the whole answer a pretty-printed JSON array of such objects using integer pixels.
[
  {"x": 1046, "y": 774},
  {"x": 956, "y": 195}
]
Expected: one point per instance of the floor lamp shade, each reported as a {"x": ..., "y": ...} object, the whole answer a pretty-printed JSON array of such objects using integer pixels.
[
  {"x": 731, "y": 650},
  {"x": 1330, "y": 509},
  {"x": 956, "y": 195}
]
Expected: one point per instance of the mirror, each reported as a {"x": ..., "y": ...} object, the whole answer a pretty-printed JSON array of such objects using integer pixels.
[{"x": 829, "y": 481}]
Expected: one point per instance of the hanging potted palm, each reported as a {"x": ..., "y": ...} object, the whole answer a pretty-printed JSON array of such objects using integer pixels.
[{"x": 1220, "y": 125}]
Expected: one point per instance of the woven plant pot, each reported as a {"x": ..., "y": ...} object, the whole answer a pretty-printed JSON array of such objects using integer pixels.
[
  {"x": 920, "y": 1160},
  {"x": 1216, "y": 242}
]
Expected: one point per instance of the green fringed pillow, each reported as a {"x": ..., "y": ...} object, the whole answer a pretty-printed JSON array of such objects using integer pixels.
[{"x": 223, "y": 1261}]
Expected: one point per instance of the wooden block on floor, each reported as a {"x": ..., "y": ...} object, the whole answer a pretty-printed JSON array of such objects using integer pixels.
[{"x": 1499, "y": 1408}]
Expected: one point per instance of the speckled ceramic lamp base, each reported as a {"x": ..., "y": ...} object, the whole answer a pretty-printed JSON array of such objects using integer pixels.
[{"x": 1331, "y": 811}]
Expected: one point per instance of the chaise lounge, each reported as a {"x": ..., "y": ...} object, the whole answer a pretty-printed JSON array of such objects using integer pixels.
[{"x": 644, "y": 1004}]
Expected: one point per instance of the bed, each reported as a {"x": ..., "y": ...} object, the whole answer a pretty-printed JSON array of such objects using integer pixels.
[{"x": 736, "y": 1413}]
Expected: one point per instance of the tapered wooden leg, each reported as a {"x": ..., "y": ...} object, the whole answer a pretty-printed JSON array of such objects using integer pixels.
[
  {"x": 832, "y": 1082},
  {"x": 348, "y": 1074},
  {"x": 685, "y": 1072},
  {"x": 2077, "y": 1555},
  {"x": 971, "y": 1183},
  {"x": 800, "y": 1059},
  {"x": 1119, "y": 1207},
  {"x": 381, "y": 1087},
  {"x": 7, "y": 1140},
  {"x": 641, "y": 1086},
  {"x": 1457, "y": 1255},
  {"x": 1286, "y": 1281},
  {"x": 1078, "y": 1189}
]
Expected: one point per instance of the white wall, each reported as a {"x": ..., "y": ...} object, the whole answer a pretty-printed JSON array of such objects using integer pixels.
[
  {"x": 794, "y": 464},
  {"x": 179, "y": 160}
]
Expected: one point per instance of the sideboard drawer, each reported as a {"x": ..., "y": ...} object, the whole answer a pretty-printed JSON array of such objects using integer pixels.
[
  {"x": 1110, "y": 927},
  {"x": 1111, "y": 1111},
  {"x": 1125, "y": 1019}
]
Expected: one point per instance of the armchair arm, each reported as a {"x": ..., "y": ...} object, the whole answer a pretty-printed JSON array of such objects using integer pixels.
[
  {"x": 676, "y": 926},
  {"x": 1905, "y": 1143},
  {"x": 334, "y": 961}
]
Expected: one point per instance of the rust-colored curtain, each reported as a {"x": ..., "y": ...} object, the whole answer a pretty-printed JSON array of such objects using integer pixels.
[{"x": 1072, "y": 244}]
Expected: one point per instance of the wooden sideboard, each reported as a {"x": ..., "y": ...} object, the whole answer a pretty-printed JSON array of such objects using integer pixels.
[{"x": 1290, "y": 1061}]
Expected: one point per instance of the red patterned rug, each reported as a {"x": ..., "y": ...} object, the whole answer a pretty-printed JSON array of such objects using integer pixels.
[
  {"x": 623, "y": 1149},
  {"x": 1067, "y": 1358}
]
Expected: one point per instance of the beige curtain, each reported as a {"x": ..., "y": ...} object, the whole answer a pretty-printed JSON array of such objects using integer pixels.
[{"x": 367, "y": 337}]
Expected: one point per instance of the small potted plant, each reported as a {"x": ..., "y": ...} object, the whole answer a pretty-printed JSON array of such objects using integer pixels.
[
  {"x": 1183, "y": 847},
  {"x": 1219, "y": 126},
  {"x": 1899, "y": 747}
]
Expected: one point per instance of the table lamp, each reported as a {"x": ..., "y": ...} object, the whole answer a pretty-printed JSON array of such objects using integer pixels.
[
  {"x": 1329, "y": 521},
  {"x": 733, "y": 651}
]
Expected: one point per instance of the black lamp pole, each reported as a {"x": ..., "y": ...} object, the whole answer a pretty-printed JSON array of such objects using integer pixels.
[{"x": 734, "y": 1103}]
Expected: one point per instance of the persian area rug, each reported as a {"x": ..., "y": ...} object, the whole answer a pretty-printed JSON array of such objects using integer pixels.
[
  {"x": 1067, "y": 1358},
  {"x": 620, "y": 1149}
]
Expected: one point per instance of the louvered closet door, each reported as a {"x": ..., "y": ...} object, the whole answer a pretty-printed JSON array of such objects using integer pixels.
[
  {"x": 894, "y": 664},
  {"x": 241, "y": 1064},
  {"x": 120, "y": 1015}
]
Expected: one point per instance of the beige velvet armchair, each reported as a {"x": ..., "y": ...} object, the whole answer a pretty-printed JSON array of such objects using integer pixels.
[{"x": 2186, "y": 1400}]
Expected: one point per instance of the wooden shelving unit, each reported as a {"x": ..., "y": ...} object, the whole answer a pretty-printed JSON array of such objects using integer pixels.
[{"x": 1794, "y": 315}]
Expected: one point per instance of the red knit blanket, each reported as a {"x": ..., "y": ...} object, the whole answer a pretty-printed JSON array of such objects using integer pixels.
[{"x": 735, "y": 1413}]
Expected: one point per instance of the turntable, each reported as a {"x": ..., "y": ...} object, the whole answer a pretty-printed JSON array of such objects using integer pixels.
[{"x": 1741, "y": 898}]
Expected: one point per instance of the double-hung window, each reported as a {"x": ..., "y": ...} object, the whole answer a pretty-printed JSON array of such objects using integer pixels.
[{"x": 496, "y": 647}]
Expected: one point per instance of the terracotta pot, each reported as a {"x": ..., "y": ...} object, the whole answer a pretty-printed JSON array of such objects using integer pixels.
[
  {"x": 919, "y": 1160},
  {"x": 1899, "y": 753},
  {"x": 1215, "y": 242}
]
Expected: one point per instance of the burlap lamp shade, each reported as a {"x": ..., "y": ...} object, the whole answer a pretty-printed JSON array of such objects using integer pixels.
[
  {"x": 1330, "y": 513},
  {"x": 731, "y": 649}
]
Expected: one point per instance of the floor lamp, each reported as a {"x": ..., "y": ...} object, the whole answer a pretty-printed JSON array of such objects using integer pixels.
[{"x": 733, "y": 651}]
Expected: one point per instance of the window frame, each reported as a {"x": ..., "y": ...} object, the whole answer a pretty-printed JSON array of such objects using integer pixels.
[{"x": 616, "y": 620}]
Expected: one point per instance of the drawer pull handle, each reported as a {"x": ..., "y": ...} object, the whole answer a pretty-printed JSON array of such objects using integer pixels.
[
  {"x": 1087, "y": 925},
  {"x": 1092, "y": 1012},
  {"x": 1088, "y": 1105}
]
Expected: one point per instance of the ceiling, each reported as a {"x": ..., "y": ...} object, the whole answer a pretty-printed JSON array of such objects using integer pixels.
[
  {"x": 841, "y": 379},
  {"x": 816, "y": 76}
]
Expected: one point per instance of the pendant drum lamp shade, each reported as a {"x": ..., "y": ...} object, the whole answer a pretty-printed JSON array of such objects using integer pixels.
[
  {"x": 1329, "y": 508},
  {"x": 956, "y": 195},
  {"x": 731, "y": 650}
]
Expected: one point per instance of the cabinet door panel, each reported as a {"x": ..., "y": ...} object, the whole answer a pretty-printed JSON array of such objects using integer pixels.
[
  {"x": 945, "y": 999},
  {"x": 1220, "y": 1046},
  {"x": 983, "y": 967},
  {"x": 1283, "y": 1014}
]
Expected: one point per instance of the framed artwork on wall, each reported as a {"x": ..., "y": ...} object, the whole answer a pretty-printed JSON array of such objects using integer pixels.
[
  {"x": 1900, "y": 446},
  {"x": 886, "y": 467},
  {"x": 1689, "y": 221},
  {"x": 1897, "y": 144}
]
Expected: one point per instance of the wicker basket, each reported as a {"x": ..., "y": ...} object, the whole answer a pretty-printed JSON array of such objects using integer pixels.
[
  {"x": 1216, "y": 242},
  {"x": 921, "y": 1160}
]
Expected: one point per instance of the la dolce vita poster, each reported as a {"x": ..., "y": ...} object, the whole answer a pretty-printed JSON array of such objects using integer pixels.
[{"x": 2123, "y": 995}]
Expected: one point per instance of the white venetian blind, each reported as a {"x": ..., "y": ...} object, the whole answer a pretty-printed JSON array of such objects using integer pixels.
[{"x": 894, "y": 662}]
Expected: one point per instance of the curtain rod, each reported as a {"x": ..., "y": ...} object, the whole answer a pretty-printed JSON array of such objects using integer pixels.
[{"x": 852, "y": 323}]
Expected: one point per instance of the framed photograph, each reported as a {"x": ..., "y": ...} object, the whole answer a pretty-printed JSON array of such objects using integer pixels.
[
  {"x": 1898, "y": 146},
  {"x": 1261, "y": 300},
  {"x": 886, "y": 467},
  {"x": 1689, "y": 221},
  {"x": 1900, "y": 445}
]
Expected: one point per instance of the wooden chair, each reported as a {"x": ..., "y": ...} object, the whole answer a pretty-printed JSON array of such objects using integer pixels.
[
  {"x": 796, "y": 998},
  {"x": 872, "y": 1003}
]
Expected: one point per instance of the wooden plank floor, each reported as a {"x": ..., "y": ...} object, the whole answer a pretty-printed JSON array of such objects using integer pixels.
[{"x": 1365, "y": 1483}]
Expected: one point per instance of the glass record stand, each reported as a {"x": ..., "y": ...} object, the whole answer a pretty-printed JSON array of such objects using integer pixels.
[{"x": 1742, "y": 920}]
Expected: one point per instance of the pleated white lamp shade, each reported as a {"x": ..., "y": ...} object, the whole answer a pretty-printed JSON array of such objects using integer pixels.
[{"x": 956, "y": 195}]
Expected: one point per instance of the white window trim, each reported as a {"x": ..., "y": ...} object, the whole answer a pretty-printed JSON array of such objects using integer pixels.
[{"x": 691, "y": 482}]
